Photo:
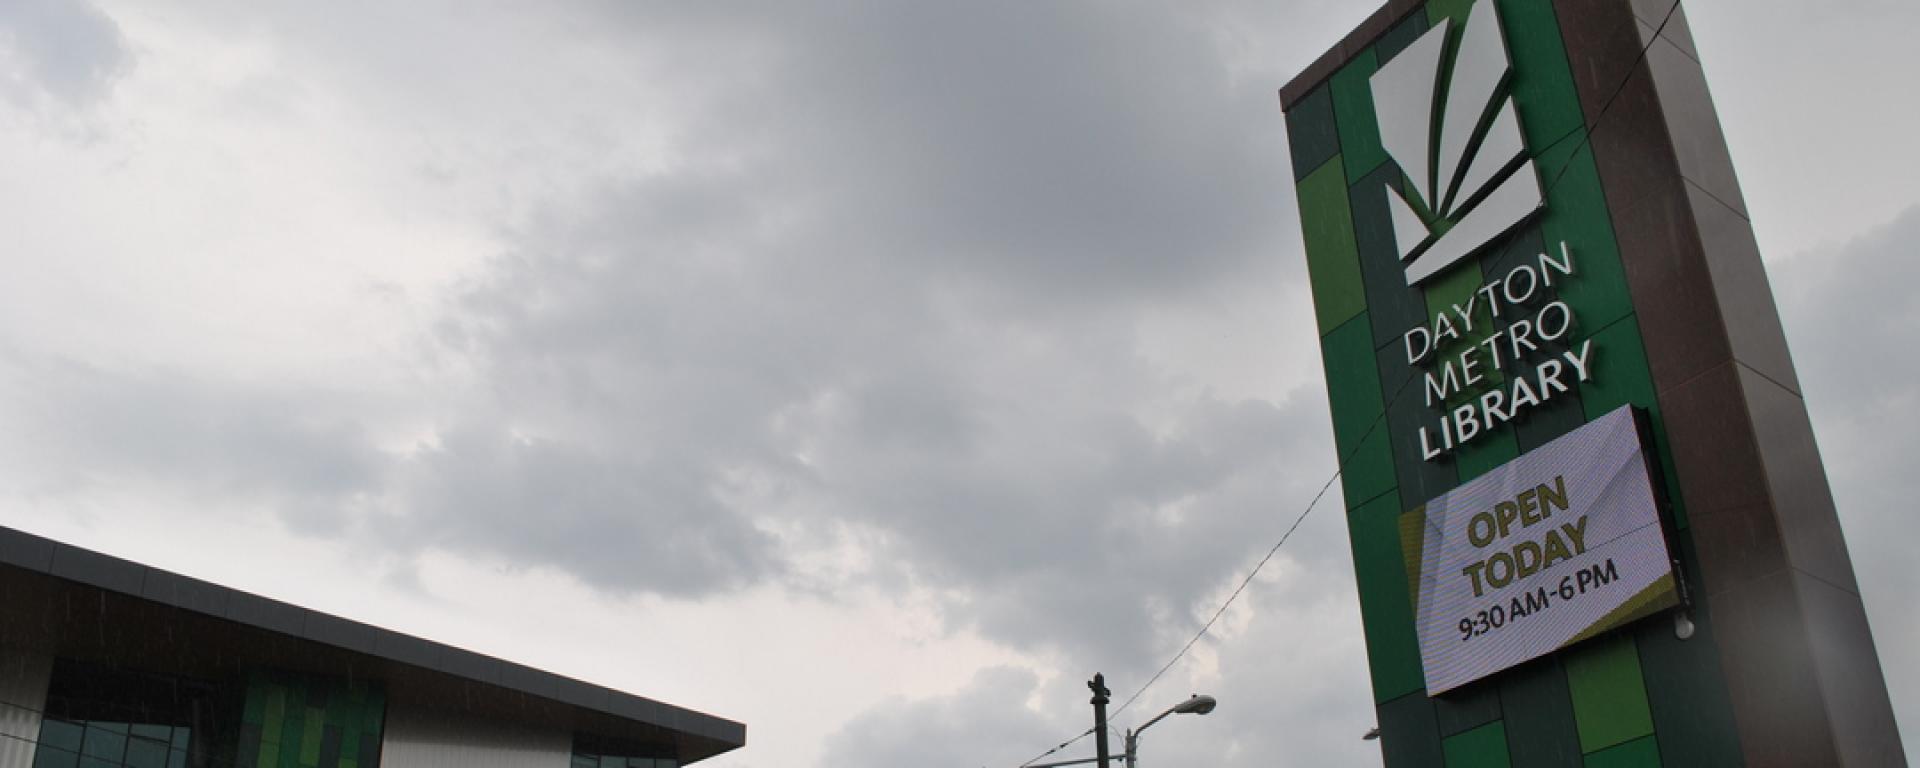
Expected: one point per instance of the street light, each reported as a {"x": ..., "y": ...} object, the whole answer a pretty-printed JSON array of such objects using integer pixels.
[{"x": 1194, "y": 705}]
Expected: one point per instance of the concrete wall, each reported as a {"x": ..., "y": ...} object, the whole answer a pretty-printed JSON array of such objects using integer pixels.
[{"x": 418, "y": 737}]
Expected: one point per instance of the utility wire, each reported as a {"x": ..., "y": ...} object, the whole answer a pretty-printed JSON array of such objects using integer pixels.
[{"x": 1060, "y": 746}]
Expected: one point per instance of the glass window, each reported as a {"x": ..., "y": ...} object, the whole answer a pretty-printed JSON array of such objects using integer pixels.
[
  {"x": 106, "y": 741},
  {"x": 49, "y": 757},
  {"x": 60, "y": 734},
  {"x": 145, "y": 753},
  {"x": 152, "y": 732}
]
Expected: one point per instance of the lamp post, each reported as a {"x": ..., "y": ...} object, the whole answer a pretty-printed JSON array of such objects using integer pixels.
[{"x": 1194, "y": 705}]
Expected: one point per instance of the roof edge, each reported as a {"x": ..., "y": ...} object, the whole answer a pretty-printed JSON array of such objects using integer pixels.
[{"x": 34, "y": 553}]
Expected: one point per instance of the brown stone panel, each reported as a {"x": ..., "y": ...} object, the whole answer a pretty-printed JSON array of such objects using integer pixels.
[
  {"x": 1777, "y": 705},
  {"x": 1741, "y": 288},
  {"x": 1602, "y": 47},
  {"x": 1667, "y": 275},
  {"x": 1851, "y": 682},
  {"x": 1800, "y": 664},
  {"x": 1653, "y": 13},
  {"x": 1315, "y": 73},
  {"x": 1737, "y": 546},
  {"x": 1692, "y": 125},
  {"x": 1711, "y": 437},
  {"x": 1802, "y": 502}
]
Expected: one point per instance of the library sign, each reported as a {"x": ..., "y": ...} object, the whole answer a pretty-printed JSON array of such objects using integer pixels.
[
  {"x": 1564, "y": 542},
  {"x": 1556, "y": 546}
]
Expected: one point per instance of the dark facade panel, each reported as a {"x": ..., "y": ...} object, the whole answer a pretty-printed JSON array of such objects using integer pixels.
[
  {"x": 274, "y": 615},
  {"x": 341, "y": 633},
  {"x": 93, "y": 568},
  {"x": 24, "y": 550},
  {"x": 181, "y": 592}
]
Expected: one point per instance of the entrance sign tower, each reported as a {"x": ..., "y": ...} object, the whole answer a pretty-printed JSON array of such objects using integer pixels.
[{"x": 1589, "y": 521}]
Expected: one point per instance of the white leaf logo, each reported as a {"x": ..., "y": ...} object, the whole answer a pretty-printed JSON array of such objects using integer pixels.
[{"x": 1458, "y": 141}]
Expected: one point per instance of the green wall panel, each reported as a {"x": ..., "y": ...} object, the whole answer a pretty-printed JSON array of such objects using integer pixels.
[
  {"x": 1639, "y": 753},
  {"x": 1333, "y": 262},
  {"x": 1408, "y": 738},
  {"x": 1360, "y": 148},
  {"x": 1609, "y": 697},
  {"x": 1312, "y": 137},
  {"x": 1577, "y": 215},
  {"x": 1539, "y": 715},
  {"x": 1692, "y": 714},
  {"x": 1543, "y": 81},
  {"x": 1393, "y": 306},
  {"x": 303, "y": 721},
  {"x": 1419, "y": 479},
  {"x": 1486, "y": 452},
  {"x": 1482, "y": 747},
  {"x": 1468, "y": 707},
  {"x": 1400, "y": 35},
  {"x": 1353, "y": 395},
  {"x": 1386, "y": 615}
]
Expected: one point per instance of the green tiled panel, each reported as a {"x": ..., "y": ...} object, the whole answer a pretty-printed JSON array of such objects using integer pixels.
[
  {"x": 1543, "y": 82},
  {"x": 1485, "y": 452},
  {"x": 1312, "y": 137},
  {"x": 1454, "y": 9},
  {"x": 1368, "y": 472},
  {"x": 1692, "y": 713},
  {"x": 1401, "y": 35},
  {"x": 1333, "y": 262},
  {"x": 1455, "y": 286},
  {"x": 1360, "y": 149},
  {"x": 316, "y": 720},
  {"x": 1468, "y": 707},
  {"x": 1418, "y": 479},
  {"x": 1577, "y": 215},
  {"x": 273, "y": 715},
  {"x": 1482, "y": 747},
  {"x": 1639, "y": 753},
  {"x": 1394, "y": 306},
  {"x": 1609, "y": 696},
  {"x": 1386, "y": 612},
  {"x": 1408, "y": 738},
  {"x": 1539, "y": 715},
  {"x": 294, "y": 712},
  {"x": 1353, "y": 396}
]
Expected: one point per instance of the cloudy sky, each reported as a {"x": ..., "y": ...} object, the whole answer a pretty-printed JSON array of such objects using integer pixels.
[{"x": 869, "y": 373}]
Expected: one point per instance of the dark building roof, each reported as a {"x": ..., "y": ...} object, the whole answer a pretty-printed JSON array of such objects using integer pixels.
[{"x": 77, "y": 602}]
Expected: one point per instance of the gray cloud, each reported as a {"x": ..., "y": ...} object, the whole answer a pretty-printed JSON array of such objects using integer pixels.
[
  {"x": 78, "y": 427},
  {"x": 63, "y": 49},
  {"x": 956, "y": 729},
  {"x": 894, "y": 286}
]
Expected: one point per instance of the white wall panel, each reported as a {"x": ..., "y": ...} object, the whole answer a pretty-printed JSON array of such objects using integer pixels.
[
  {"x": 23, "y": 693},
  {"x": 419, "y": 738}
]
